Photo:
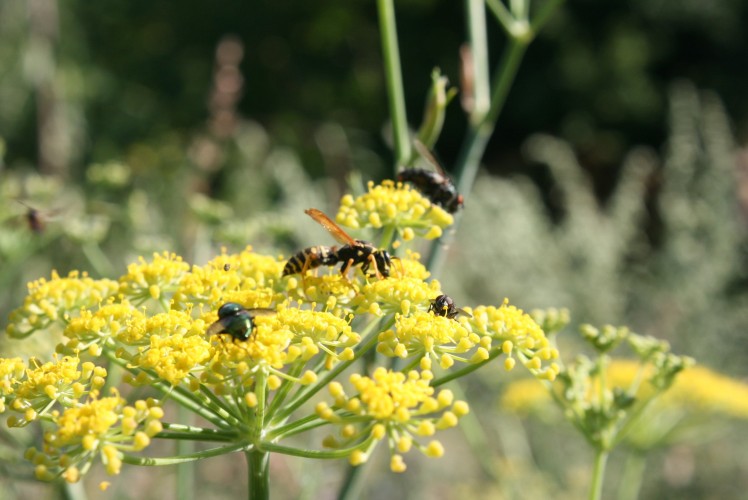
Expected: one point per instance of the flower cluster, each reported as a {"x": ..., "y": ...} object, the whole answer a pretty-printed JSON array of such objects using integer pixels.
[
  {"x": 98, "y": 428},
  {"x": 642, "y": 401},
  {"x": 51, "y": 300},
  {"x": 35, "y": 391},
  {"x": 394, "y": 205},
  {"x": 245, "y": 347},
  {"x": 392, "y": 405},
  {"x": 696, "y": 392}
]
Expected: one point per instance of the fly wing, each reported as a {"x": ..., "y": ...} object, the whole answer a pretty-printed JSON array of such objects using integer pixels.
[
  {"x": 426, "y": 155},
  {"x": 332, "y": 228},
  {"x": 261, "y": 311},
  {"x": 463, "y": 311}
]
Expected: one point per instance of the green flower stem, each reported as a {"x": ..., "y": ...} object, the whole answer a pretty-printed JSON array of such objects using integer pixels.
[
  {"x": 188, "y": 436},
  {"x": 477, "y": 138},
  {"x": 393, "y": 75},
  {"x": 493, "y": 354},
  {"x": 180, "y": 431},
  {"x": 178, "y": 394},
  {"x": 213, "y": 452},
  {"x": 258, "y": 463},
  {"x": 72, "y": 491},
  {"x": 476, "y": 17},
  {"x": 633, "y": 473},
  {"x": 220, "y": 406},
  {"x": 318, "y": 454},
  {"x": 351, "y": 486},
  {"x": 502, "y": 14},
  {"x": 520, "y": 8},
  {"x": 296, "y": 427},
  {"x": 596, "y": 487},
  {"x": 303, "y": 396},
  {"x": 282, "y": 393},
  {"x": 388, "y": 233},
  {"x": 632, "y": 420},
  {"x": 474, "y": 145},
  {"x": 259, "y": 425},
  {"x": 185, "y": 477},
  {"x": 203, "y": 406}
]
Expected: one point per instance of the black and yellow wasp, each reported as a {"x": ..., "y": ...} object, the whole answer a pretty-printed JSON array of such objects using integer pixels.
[{"x": 351, "y": 253}]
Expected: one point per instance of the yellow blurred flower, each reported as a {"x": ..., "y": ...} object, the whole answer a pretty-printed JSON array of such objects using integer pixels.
[{"x": 394, "y": 205}]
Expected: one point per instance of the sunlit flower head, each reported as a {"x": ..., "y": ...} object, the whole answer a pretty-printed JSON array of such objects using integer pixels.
[
  {"x": 254, "y": 275},
  {"x": 278, "y": 339},
  {"x": 410, "y": 266},
  {"x": 427, "y": 335},
  {"x": 174, "y": 355},
  {"x": 330, "y": 289},
  {"x": 52, "y": 300},
  {"x": 120, "y": 321},
  {"x": 395, "y": 295},
  {"x": 401, "y": 408},
  {"x": 518, "y": 335},
  {"x": 156, "y": 280},
  {"x": 102, "y": 428},
  {"x": 255, "y": 270},
  {"x": 394, "y": 205},
  {"x": 11, "y": 370},
  {"x": 36, "y": 390}
]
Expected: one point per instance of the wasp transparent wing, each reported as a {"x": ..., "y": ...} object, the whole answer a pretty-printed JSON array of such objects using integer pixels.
[{"x": 332, "y": 228}]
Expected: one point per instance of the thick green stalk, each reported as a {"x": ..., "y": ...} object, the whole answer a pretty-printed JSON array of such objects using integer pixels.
[
  {"x": 477, "y": 138},
  {"x": 476, "y": 17},
  {"x": 596, "y": 487},
  {"x": 186, "y": 471},
  {"x": 259, "y": 474},
  {"x": 351, "y": 487},
  {"x": 394, "y": 78},
  {"x": 631, "y": 480}
]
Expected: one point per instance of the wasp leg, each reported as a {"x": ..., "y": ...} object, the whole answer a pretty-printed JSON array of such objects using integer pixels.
[
  {"x": 400, "y": 267},
  {"x": 307, "y": 265},
  {"x": 373, "y": 262},
  {"x": 346, "y": 267}
]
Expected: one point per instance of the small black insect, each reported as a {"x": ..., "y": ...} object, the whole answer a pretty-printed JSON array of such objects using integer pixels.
[
  {"x": 443, "y": 305},
  {"x": 352, "y": 253},
  {"x": 36, "y": 219},
  {"x": 436, "y": 186},
  {"x": 237, "y": 321},
  {"x": 227, "y": 267}
]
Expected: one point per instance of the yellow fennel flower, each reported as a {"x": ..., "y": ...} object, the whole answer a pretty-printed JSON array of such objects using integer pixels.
[
  {"x": 394, "y": 205},
  {"x": 396, "y": 295},
  {"x": 154, "y": 279},
  {"x": 393, "y": 407},
  {"x": 517, "y": 333},
  {"x": 112, "y": 321},
  {"x": 63, "y": 381},
  {"x": 101, "y": 427},
  {"x": 52, "y": 300},
  {"x": 427, "y": 335}
]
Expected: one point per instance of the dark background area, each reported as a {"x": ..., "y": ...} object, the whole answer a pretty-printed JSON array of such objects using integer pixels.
[{"x": 597, "y": 76}]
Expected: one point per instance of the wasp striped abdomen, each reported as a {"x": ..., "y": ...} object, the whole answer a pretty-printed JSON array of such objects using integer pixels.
[{"x": 310, "y": 258}]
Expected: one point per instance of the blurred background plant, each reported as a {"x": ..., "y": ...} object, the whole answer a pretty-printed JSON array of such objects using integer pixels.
[{"x": 127, "y": 129}]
